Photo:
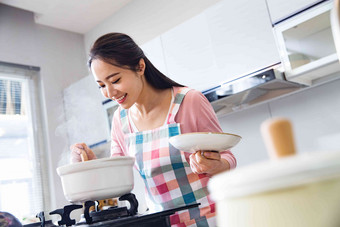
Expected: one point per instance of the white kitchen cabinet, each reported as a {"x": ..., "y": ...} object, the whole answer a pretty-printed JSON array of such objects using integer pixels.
[
  {"x": 279, "y": 9},
  {"x": 307, "y": 47},
  {"x": 224, "y": 42},
  {"x": 242, "y": 37},
  {"x": 153, "y": 50},
  {"x": 189, "y": 55}
]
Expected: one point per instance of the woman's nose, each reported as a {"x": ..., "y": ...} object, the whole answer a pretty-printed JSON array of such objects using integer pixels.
[{"x": 110, "y": 91}]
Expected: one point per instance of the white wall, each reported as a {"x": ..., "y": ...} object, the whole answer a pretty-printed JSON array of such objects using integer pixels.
[{"x": 62, "y": 60}]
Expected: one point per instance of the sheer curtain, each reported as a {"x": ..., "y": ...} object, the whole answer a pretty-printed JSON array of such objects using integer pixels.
[{"x": 23, "y": 175}]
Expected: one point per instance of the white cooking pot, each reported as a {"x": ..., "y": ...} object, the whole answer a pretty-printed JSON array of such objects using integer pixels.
[
  {"x": 295, "y": 191},
  {"x": 97, "y": 179}
]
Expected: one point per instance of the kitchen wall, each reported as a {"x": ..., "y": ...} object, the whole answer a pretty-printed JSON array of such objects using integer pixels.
[{"x": 62, "y": 60}]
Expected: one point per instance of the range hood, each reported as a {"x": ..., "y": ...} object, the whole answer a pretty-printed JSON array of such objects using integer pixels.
[{"x": 251, "y": 89}]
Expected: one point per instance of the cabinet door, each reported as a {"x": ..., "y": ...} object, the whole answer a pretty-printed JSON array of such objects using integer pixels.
[
  {"x": 188, "y": 54},
  {"x": 279, "y": 9},
  {"x": 153, "y": 50},
  {"x": 307, "y": 47},
  {"x": 222, "y": 43},
  {"x": 242, "y": 37}
]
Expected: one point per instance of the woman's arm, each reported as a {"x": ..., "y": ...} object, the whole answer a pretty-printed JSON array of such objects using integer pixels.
[{"x": 197, "y": 115}]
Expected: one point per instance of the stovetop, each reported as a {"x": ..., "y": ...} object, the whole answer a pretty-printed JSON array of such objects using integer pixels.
[{"x": 113, "y": 216}]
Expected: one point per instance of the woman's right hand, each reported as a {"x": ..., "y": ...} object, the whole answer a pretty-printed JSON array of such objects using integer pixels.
[{"x": 77, "y": 149}]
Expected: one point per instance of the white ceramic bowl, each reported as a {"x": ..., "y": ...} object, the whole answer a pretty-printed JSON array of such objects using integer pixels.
[
  {"x": 97, "y": 179},
  {"x": 191, "y": 142},
  {"x": 302, "y": 190}
]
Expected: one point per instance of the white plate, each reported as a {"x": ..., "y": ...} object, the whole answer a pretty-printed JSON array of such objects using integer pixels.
[{"x": 192, "y": 142}]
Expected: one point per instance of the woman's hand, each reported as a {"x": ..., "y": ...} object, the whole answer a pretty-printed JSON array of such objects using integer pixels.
[
  {"x": 77, "y": 149},
  {"x": 209, "y": 162}
]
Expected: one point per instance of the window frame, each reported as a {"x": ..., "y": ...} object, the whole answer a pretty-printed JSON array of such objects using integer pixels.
[{"x": 30, "y": 76}]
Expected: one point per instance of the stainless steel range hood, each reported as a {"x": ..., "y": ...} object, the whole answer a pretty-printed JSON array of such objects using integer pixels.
[{"x": 251, "y": 89}]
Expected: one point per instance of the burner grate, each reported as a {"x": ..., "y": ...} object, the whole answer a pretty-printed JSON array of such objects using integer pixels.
[
  {"x": 113, "y": 216},
  {"x": 112, "y": 212}
]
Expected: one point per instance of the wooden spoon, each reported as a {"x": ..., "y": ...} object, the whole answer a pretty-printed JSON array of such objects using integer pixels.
[
  {"x": 277, "y": 134},
  {"x": 83, "y": 156}
]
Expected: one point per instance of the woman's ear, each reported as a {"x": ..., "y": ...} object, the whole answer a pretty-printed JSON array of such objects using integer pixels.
[{"x": 141, "y": 66}]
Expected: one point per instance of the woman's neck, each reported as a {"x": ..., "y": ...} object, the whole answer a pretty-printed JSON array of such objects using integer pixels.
[{"x": 152, "y": 100}]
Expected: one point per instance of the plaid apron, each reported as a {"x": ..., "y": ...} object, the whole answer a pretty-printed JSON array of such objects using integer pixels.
[{"x": 168, "y": 178}]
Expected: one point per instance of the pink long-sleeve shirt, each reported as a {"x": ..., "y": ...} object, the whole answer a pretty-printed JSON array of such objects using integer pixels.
[{"x": 194, "y": 115}]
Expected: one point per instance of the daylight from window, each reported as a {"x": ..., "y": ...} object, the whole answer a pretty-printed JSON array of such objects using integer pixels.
[{"x": 16, "y": 157}]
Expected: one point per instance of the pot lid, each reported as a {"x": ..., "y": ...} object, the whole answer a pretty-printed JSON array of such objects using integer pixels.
[
  {"x": 95, "y": 164},
  {"x": 277, "y": 174}
]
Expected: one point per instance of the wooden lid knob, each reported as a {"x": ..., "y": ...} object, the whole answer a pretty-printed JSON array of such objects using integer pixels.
[{"x": 277, "y": 134}]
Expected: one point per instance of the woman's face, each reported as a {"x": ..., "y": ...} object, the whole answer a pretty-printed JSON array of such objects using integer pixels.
[{"x": 119, "y": 84}]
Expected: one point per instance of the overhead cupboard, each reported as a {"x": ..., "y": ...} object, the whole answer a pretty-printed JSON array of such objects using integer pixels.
[
  {"x": 306, "y": 44},
  {"x": 224, "y": 42},
  {"x": 233, "y": 39}
]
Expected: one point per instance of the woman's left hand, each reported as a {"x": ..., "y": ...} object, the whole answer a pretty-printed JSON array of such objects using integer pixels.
[{"x": 209, "y": 162}]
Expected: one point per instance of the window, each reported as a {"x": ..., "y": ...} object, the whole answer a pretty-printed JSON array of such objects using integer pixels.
[{"x": 23, "y": 184}]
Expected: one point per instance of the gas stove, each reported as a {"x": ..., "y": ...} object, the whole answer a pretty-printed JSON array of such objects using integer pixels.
[{"x": 112, "y": 216}]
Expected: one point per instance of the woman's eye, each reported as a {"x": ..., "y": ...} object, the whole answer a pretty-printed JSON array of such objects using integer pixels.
[
  {"x": 101, "y": 86},
  {"x": 116, "y": 81}
]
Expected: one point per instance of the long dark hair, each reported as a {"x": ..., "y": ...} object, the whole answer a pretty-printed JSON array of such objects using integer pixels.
[{"x": 120, "y": 50}]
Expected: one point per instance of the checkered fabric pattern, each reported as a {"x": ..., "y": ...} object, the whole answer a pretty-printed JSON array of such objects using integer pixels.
[{"x": 167, "y": 175}]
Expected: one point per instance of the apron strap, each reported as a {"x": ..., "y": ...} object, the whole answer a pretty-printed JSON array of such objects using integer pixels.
[
  {"x": 176, "y": 104},
  {"x": 172, "y": 113},
  {"x": 124, "y": 120}
]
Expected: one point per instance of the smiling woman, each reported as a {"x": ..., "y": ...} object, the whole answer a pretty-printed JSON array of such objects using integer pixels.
[
  {"x": 21, "y": 181},
  {"x": 152, "y": 109}
]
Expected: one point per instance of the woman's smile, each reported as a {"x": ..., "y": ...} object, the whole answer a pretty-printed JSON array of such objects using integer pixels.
[{"x": 121, "y": 99}]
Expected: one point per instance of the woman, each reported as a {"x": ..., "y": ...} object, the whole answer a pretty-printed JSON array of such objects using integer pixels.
[{"x": 152, "y": 109}]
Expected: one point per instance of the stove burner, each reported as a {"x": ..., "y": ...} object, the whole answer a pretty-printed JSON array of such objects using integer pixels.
[
  {"x": 114, "y": 216},
  {"x": 112, "y": 212},
  {"x": 96, "y": 216}
]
